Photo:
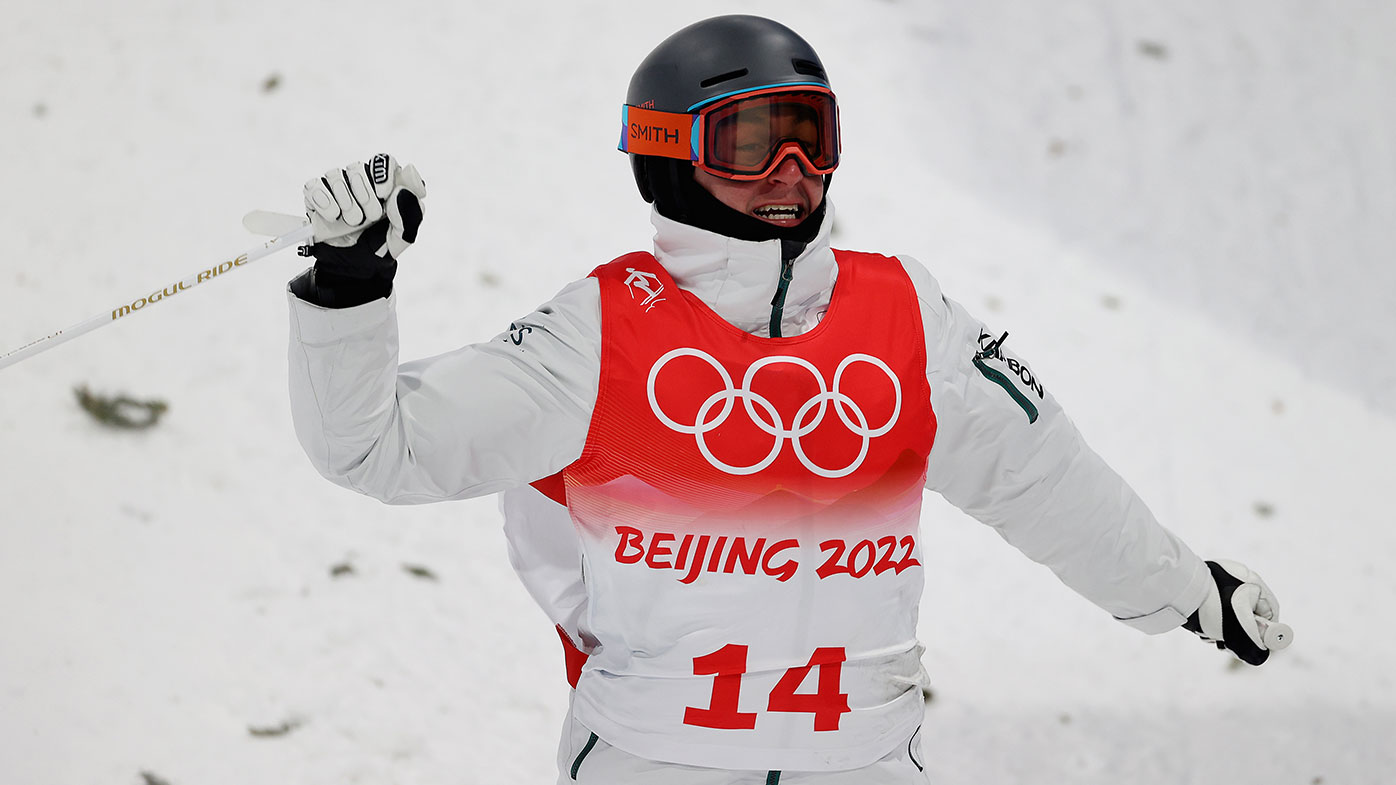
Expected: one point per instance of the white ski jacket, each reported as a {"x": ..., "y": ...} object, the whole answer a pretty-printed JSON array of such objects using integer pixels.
[{"x": 493, "y": 416}]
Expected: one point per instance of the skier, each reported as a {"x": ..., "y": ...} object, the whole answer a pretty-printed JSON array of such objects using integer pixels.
[{"x": 740, "y": 426}]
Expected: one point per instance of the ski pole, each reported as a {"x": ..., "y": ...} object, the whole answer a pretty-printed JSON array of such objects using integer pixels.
[{"x": 125, "y": 308}]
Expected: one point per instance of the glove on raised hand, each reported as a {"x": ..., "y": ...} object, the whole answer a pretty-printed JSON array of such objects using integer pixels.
[
  {"x": 1228, "y": 617},
  {"x": 365, "y": 216}
]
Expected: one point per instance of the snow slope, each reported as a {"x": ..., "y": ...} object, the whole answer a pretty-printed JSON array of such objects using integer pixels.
[
  {"x": 194, "y": 604},
  {"x": 1239, "y": 157}
]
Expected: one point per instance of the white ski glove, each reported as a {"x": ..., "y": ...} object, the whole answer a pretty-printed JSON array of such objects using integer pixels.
[
  {"x": 344, "y": 203},
  {"x": 365, "y": 216},
  {"x": 1238, "y": 612}
]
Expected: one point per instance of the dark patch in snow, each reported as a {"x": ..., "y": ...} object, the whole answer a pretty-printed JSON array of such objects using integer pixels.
[
  {"x": 121, "y": 411},
  {"x": 418, "y": 571},
  {"x": 273, "y": 731},
  {"x": 1153, "y": 49}
]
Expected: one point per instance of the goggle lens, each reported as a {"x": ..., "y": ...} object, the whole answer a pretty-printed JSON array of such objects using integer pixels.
[{"x": 750, "y": 136}]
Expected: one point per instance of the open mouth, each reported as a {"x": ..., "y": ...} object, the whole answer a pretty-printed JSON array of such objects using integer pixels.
[{"x": 779, "y": 213}]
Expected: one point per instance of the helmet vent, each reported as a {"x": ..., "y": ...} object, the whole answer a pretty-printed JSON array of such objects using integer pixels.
[
  {"x": 720, "y": 78},
  {"x": 808, "y": 68}
]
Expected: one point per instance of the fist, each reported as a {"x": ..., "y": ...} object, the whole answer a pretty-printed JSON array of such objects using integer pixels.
[
  {"x": 1238, "y": 613},
  {"x": 343, "y": 203}
]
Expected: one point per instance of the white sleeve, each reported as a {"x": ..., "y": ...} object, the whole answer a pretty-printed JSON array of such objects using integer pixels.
[
  {"x": 1007, "y": 455},
  {"x": 470, "y": 422}
]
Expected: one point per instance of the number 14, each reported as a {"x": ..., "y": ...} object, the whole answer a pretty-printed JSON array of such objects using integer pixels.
[{"x": 727, "y": 665}]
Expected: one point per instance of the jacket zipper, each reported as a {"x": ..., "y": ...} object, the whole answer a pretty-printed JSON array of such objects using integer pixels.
[
  {"x": 787, "y": 271},
  {"x": 577, "y": 764},
  {"x": 998, "y": 378}
]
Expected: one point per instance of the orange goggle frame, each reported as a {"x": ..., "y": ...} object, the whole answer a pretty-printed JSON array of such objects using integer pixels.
[{"x": 744, "y": 136}]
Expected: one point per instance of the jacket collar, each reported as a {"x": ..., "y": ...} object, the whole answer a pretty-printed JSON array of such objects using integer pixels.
[{"x": 738, "y": 278}]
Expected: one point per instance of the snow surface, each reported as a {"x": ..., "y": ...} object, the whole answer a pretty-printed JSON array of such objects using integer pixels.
[
  {"x": 1238, "y": 157},
  {"x": 163, "y": 594}
]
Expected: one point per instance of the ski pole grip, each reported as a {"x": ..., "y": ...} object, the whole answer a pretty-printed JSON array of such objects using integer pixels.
[{"x": 1275, "y": 635}]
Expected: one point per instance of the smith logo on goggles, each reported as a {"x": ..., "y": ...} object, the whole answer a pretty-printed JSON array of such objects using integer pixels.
[{"x": 742, "y": 137}]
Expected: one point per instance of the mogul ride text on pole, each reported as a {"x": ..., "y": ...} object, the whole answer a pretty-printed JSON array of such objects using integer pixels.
[{"x": 172, "y": 290}]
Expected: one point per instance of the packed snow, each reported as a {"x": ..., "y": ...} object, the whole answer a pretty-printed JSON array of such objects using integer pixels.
[{"x": 191, "y": 604}]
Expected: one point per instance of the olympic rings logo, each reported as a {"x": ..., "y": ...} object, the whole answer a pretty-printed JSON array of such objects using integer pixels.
[{"x": 771, "y": 423}]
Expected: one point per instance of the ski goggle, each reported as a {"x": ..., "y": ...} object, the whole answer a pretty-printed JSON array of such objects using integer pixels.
[{"x": 742, "y": 137}]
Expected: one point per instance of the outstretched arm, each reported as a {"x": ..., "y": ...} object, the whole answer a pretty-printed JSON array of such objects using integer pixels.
[{"x": 1008, "y": 455}]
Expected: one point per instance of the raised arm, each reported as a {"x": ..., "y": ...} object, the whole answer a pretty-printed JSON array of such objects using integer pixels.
[{"x": 469, "y": 422}]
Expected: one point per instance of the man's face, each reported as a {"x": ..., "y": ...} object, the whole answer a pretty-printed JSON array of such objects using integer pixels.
[
  {"x": 784, "y": 198},
  {"x": 787, "y": 195}
]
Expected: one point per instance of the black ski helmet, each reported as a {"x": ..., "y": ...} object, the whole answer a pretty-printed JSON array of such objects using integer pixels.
[{"x": 714, "y": 58}]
